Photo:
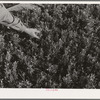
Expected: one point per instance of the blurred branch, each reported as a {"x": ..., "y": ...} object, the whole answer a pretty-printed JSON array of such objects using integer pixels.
[{"x": 25, "y": 6}]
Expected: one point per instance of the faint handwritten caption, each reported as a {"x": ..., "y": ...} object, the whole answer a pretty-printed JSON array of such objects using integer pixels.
[{"x": 51, "y": 89}]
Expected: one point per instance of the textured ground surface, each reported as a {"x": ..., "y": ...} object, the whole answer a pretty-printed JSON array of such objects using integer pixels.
[{"x": 66, "y": 56}]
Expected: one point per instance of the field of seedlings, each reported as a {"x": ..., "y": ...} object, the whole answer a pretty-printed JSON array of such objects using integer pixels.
[{"x": 66, "y": 56}]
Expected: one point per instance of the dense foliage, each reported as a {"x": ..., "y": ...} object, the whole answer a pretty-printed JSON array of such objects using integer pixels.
[{"x": 66, "y": 56}]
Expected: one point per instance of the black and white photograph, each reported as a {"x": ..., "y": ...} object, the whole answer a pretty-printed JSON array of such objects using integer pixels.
[{"x": 54, "y": 46}]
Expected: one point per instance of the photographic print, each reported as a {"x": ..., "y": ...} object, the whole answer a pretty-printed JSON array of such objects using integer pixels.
[{"x": 50, "y": 46}]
